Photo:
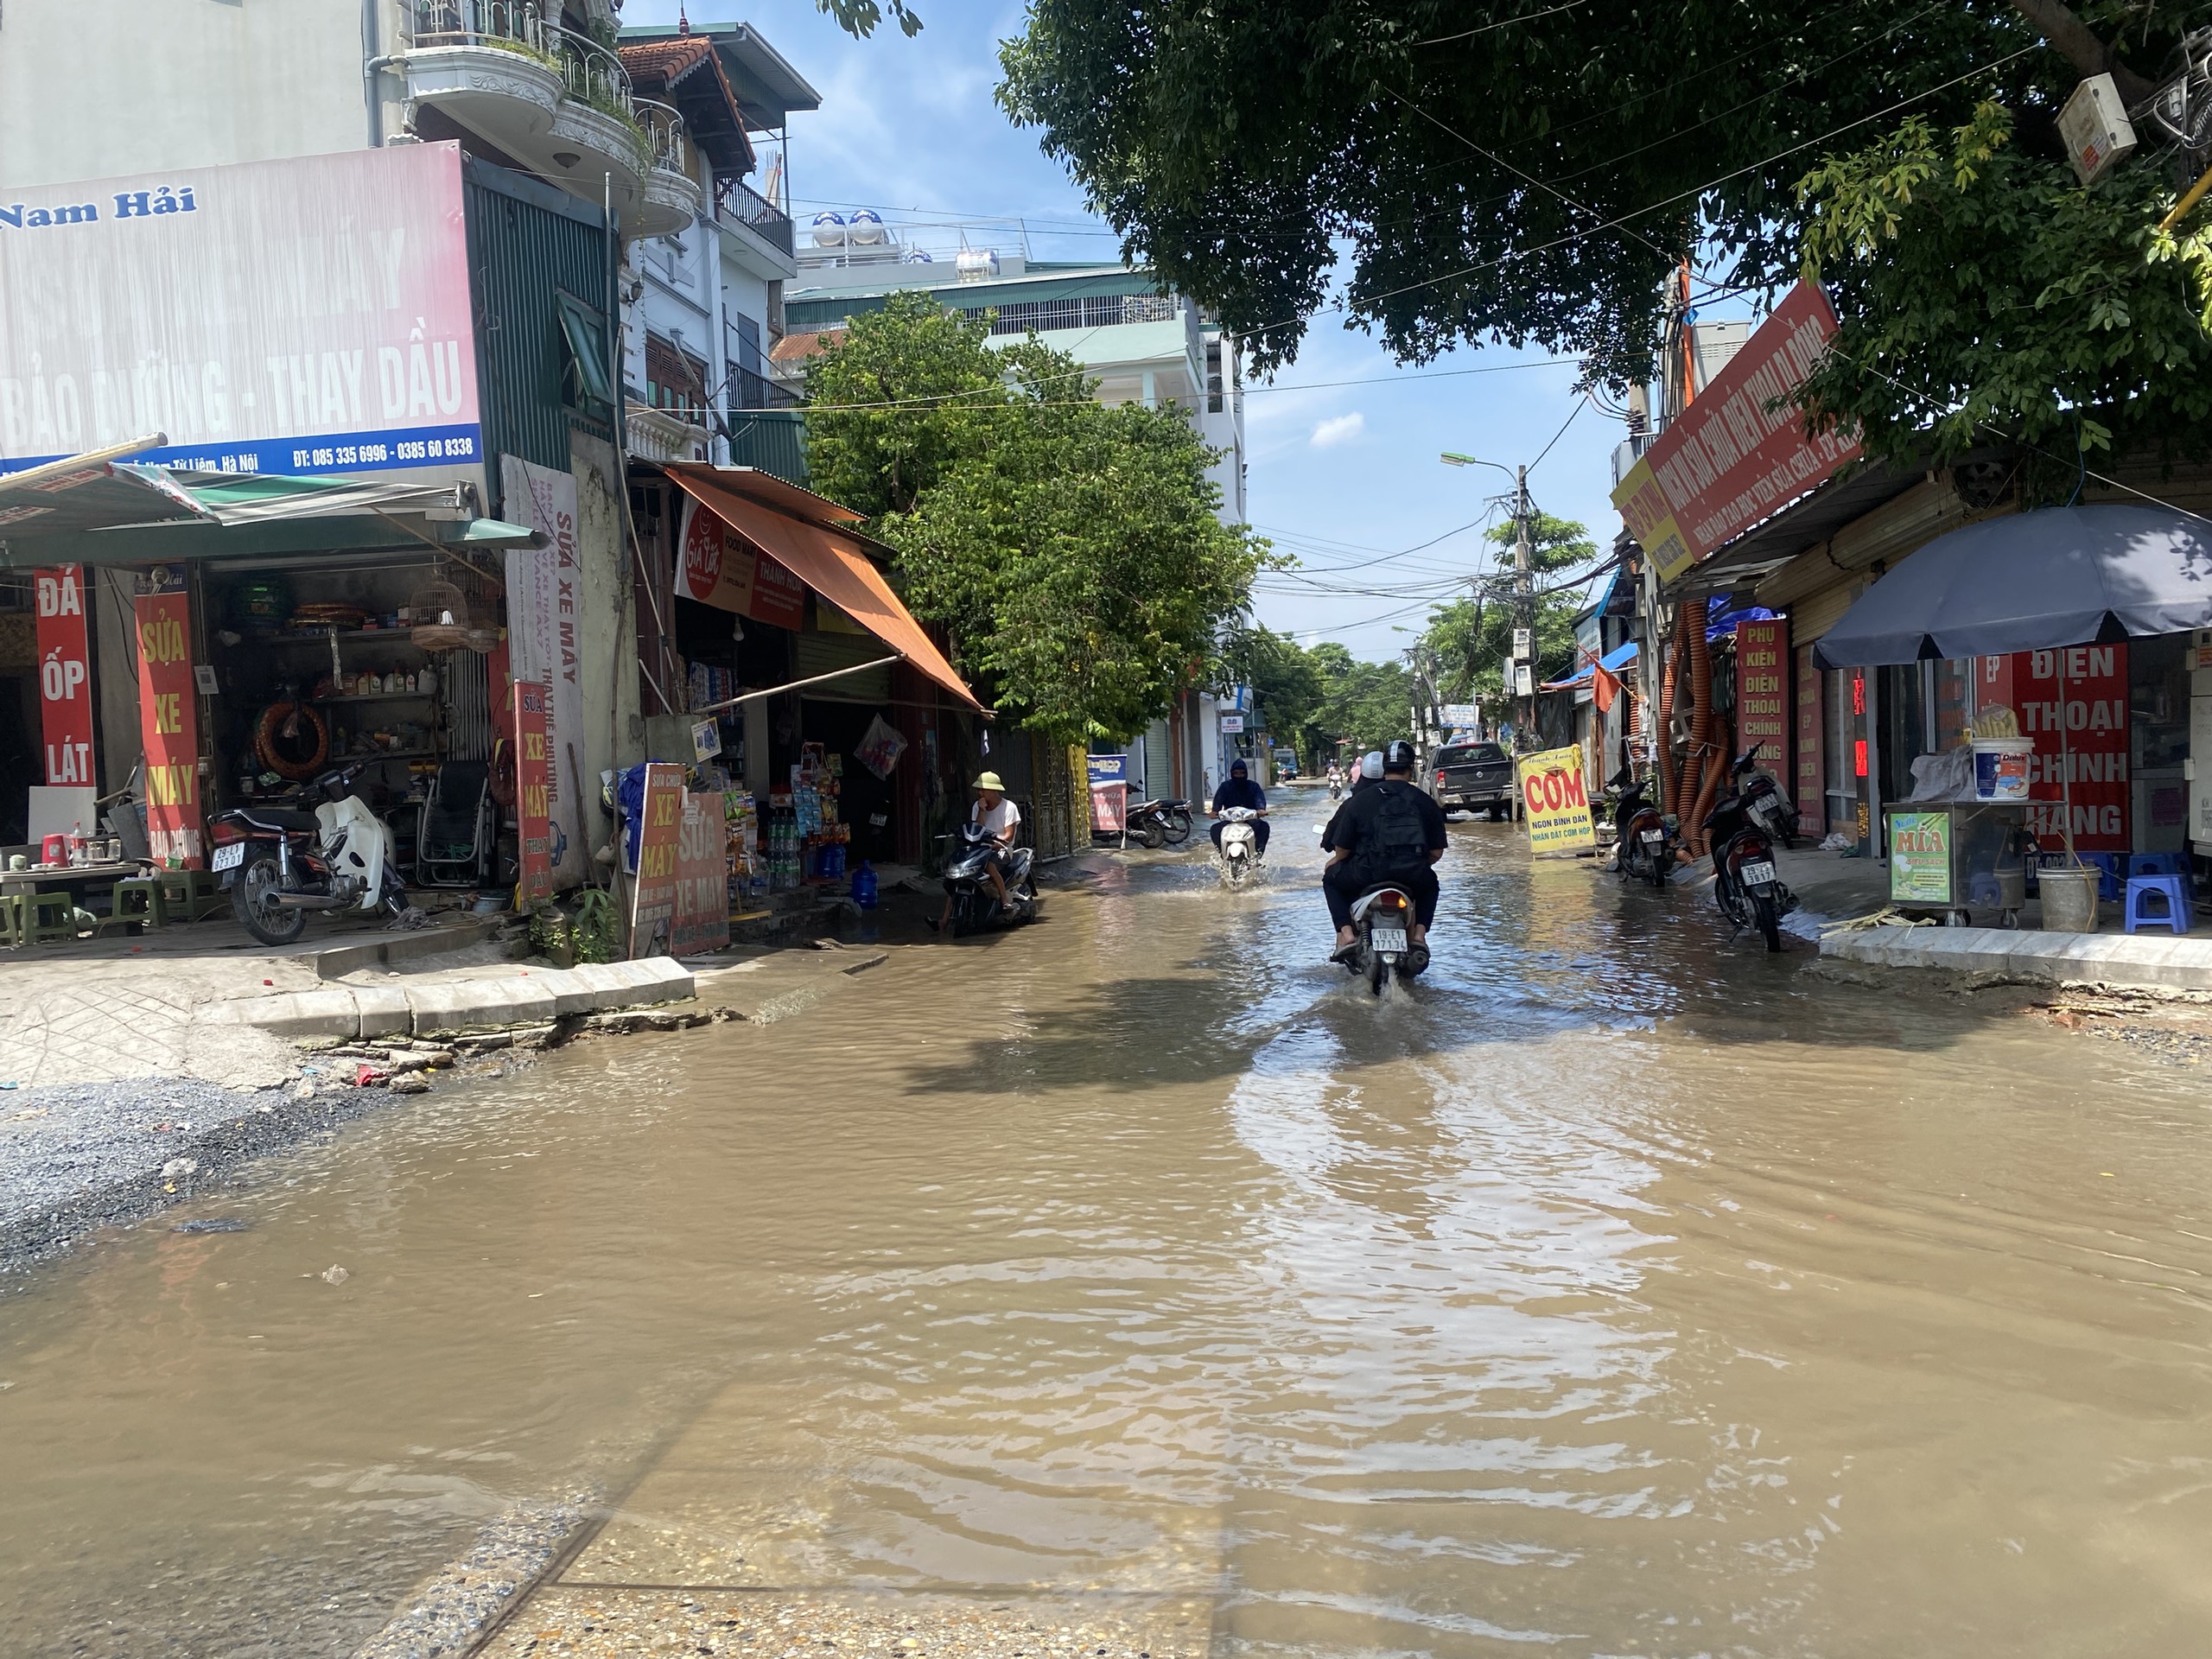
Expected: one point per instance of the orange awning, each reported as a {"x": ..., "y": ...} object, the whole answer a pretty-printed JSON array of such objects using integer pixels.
[{"x": 829, "y": 561}]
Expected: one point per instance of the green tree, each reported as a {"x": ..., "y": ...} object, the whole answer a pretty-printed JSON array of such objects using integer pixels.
[
  {"x": 1984, "y": 293},
  {"x": 1286, "y": 681},
  {"x": 1074, "y": 553},
  {"x": 1363, "y": 705},
  {"x": 1471, "y": 638}
]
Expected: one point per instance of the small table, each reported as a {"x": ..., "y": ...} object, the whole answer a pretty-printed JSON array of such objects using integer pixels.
[{"x": 75, "y": 880}]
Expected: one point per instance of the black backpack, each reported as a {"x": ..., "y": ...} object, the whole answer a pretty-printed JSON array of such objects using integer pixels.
[{"x": 1394, "y": 842}]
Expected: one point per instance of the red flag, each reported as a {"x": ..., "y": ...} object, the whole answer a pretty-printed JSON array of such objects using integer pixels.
[{"x": 1603, "y": 688}]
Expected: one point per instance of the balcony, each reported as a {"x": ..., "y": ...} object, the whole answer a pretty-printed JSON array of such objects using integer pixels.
[
  {"x": 553, "y": 100},
  {"x": 669, "y": 197},
  {"x": 758, "y": 228},
  {"x": 663, "y": 435}
]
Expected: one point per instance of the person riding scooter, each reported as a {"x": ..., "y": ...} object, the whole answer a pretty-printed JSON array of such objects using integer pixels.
[
  {"x": 1238, "y": 789},
  {"x": 1390, "y": 831},
  {"x": 1000, "y": 818}
]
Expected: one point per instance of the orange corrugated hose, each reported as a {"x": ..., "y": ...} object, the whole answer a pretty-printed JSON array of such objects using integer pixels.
[
  {"x": 1705, "y": 734},
  {"x": 1664, "y": 732}
]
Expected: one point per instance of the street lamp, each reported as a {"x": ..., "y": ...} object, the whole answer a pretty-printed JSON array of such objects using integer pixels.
[{"x": 1524, "y": 595}]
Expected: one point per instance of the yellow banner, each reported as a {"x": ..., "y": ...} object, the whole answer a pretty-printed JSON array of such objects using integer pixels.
[
  {"x": 1639, "y": 500},
  {"x": 1555, "y": 803}
]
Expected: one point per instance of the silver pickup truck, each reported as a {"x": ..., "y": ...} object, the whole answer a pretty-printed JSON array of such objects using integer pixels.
[{"x": 1473, "y": 776}]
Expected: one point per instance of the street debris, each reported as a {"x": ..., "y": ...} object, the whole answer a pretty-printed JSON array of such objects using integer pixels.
[{"x": 335, "y": 1275}]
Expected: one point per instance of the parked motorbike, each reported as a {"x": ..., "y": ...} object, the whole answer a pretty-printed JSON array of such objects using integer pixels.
[
  {"x": 280, "y": 862},
  {"x": 1744, "y": 882},
  {"x": 1383, "y": 916},
  {"x": 1239, "y": 854},
  {"x": 975, "y": 901},
  {"x": 1161, "y": 822},
  {"x": 1764, "y": 800},
  {"x": 1643, "y": 836}
]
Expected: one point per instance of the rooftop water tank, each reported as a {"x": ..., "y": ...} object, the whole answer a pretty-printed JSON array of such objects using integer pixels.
[
  {"x": 977, "y": 265},
  {"x": 866, "y": 227},
  {"x": 828, "y": 230}
]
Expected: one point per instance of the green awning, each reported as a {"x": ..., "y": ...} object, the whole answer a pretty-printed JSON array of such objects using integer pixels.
[{"x": 68, "y": 501}]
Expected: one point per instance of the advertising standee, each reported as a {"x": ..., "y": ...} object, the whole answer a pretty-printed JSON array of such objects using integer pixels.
[
  {"x": 65, "y": 689},
  {"x": 532, "y": 800},
  {"x": 168, "y": 728},
  {"x": 1555, "y": 801}
]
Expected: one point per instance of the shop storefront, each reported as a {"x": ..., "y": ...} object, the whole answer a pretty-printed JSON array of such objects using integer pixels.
[{"x": 808, "y": 697}]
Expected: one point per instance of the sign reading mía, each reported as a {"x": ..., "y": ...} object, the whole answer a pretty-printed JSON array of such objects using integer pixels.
[{"x": 301, "y": 316}]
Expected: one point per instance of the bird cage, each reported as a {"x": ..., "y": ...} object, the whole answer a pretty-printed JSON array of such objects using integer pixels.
[{"x": 440, "y": 614}]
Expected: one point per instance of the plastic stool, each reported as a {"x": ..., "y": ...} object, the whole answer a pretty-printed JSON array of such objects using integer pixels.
[
  {"x": 2164, "y": 864},
  {"x": 137, "y": 900},
  {"x": 15, "y": 920},
  {"x": 49, "y": 916},
  {"x": 191, "y": 893},
  {"x": 2140, "y": 887}
]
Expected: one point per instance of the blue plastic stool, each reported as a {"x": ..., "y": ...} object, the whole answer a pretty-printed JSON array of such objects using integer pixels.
[
  {"x": 2164, "y": 864},
  {"x": 2176, "y": 895}
]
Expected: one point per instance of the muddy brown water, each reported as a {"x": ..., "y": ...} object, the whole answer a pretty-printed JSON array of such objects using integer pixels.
[{"x": 1617, "y": 1292}]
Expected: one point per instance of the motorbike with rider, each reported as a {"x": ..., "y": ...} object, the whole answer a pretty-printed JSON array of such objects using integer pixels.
[
  {"x": 1238, "y": 789},
  {"x": 1389, "y": 835}
]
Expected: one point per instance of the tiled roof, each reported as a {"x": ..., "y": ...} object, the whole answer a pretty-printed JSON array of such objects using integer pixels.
[
  {"x": 687, "y": 72},
  {"x": 664, "y": 61},
  {"x": 797, "y": 347}
]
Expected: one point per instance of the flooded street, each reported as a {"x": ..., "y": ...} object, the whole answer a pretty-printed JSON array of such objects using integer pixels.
[{"x": 1616, "y": 1292}]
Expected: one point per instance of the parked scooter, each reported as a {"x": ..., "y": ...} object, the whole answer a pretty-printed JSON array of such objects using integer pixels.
[
  {"x": 1382, "y": 917},
  {"x": 1764, "y": 800},
  {"x": 1745, "y": 881},
  {"x": 1239, "y": 854},
  {"x": 1161, "y": 822},
  {"x": 1643, "y": 836},
  {"x": 967, "y": 879},
  {"x": 279, "y": 863}
]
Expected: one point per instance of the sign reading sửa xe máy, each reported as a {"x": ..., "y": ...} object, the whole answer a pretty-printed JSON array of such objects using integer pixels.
[
  {"x": 1738, "y": 453},
  {"x": 1555, "y": 801}
]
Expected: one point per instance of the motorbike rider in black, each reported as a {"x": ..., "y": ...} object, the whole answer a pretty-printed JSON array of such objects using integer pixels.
[
  {"x": 1390, "y": 832},
  {"x": 1238, "y": 789}
]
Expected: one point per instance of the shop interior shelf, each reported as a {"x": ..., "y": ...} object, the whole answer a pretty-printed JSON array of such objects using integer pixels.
[
  {"x": 322, "y": 637},
  {"x": 378, "y": 697},
  {"x": 385, "y": 754}
]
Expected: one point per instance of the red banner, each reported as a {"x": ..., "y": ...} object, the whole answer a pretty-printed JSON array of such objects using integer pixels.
[
  {"x": 168, "y": 726},
  {"x": 652, "y": 896},
  {"x": 1763, "y": 692},
  {"x": 1812, "y": 779},
  {"x": 533, "y": 794},
  {"x": 722, "y": 568},
  {"x": 1729, "y": 459},
  {"x": 65, "y": 676},
  {"x": 702, "y": 878},
  {"x": 2082, "y": 748}
]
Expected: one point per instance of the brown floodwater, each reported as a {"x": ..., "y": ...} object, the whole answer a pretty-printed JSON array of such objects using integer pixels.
[{"x": 1617, "y": 1291}]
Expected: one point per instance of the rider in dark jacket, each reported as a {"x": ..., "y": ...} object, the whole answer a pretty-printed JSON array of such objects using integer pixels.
[
  {"x": 1392, "y": 832},
  {"x": 1238, "y": 789}
]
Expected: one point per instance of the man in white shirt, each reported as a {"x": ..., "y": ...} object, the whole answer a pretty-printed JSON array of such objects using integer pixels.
[{"x": 1000, "y": 818}]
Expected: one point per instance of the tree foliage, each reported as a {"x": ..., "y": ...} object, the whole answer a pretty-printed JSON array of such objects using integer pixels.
[
  {"x": 1074, "y": 552},
  {"x": 1499, "y": 170},
  {"x": 1984, "y": 293},
  {"x": 1285, "y": 681},
  {"x": 1470, "y": 638}
]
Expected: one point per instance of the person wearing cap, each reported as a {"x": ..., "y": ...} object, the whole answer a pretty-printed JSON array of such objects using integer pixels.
[
  {"x": 1392, "y": 832},
  {"x": 1000, "y": 818},
  {"x": 1238, "y": 789}
]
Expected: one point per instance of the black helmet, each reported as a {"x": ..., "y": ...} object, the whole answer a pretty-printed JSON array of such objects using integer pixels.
[
  {"x": 1399, "y": 757},
  {"x": 1238, "y": 765}
]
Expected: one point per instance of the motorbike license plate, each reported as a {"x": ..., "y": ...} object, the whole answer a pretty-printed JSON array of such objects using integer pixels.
[
  {"x": 228, "y": 857},
  {"x": 1653, "y": 837},
  {"x": 1754, "y": 876},
  {"x": 1388, "y": 938}
]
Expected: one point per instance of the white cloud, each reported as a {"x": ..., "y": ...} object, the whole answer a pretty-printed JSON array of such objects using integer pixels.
[{"x": 1338, "y": 429}]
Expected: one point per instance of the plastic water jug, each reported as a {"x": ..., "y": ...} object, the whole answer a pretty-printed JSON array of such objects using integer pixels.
[{"x": 864, "y": 887}]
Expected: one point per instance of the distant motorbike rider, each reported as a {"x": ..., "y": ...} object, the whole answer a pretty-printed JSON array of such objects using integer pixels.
[
  {"x": 1392, "y": 832},
  {"x": 1000, "y": 818},
  {"x": 1238, "y": 789}
]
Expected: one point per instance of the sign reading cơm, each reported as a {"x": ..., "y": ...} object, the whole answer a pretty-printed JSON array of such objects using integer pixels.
[
  {"x": 1555, "y": 801},
  {"x": 1729, "y": 459},
  {"x": 299, "y": 316}
]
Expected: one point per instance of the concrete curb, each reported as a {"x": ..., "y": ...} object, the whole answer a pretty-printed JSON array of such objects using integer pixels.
[
  {"x": 497, "y": 999},
  {"x": 2164, "y": 962}
]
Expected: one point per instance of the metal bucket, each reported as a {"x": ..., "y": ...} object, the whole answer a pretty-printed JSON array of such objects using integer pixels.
[{"x": 2069, "y": 899}]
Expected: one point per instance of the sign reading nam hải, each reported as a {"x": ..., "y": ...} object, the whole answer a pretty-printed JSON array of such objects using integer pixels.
[{"x": 297, "y": 316}]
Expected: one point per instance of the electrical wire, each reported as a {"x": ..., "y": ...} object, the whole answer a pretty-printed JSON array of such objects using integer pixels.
[{"x": 1468, "y": 35}]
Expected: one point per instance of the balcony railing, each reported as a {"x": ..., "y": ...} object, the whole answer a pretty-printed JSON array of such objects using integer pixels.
[
  {"x": 666, "y": 146},
  {"x": 589, "y": 72},
  {"x": 756, "y": 212}
]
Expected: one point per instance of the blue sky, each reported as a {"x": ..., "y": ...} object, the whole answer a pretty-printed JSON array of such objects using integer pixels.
[{"x": 1340, "y": 473}]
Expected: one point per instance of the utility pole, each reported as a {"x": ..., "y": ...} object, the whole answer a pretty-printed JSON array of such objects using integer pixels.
[{"x": 1525, "y": 588}]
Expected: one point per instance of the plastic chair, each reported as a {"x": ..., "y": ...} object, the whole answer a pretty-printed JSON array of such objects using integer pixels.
[
  {"x": 138, "y": 900},
  {"x": 49, "y": 916},
  {"x": 2175, "y": 915}
]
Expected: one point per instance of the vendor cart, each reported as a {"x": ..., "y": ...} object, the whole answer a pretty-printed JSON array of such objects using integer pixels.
[{"x": 1950, "y": 859}]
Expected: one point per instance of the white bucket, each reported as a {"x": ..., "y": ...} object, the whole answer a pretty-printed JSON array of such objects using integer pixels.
[{"x": 2000, "y": 768}]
